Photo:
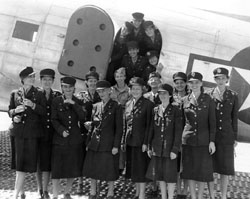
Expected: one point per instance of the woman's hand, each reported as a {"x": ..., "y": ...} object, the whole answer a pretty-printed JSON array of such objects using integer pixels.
[
  {"x": 114, "y": 150},
  {"x": 211, "y": 148},
  {"x": 173, "y": 156},
  {"x": 20, "y": 109},
  {"x": 144, "y": 148},
  {"x": 17, "y": 119},
  {"x": 65, "y": 133},
  {"x": 87, "y": 125},
  {"x": 28, "y": 102},
  {"x": 70, "y": 101}
]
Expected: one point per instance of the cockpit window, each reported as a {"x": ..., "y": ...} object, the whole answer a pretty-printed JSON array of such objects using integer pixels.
[{"x": 25, "y": 31}]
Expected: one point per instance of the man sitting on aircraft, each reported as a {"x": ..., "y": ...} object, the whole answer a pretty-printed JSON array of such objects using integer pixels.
[
  {"x": 138, "y": 31},
  {"x": 133, "y": 63},
  {"x": 119, "y": 50}
]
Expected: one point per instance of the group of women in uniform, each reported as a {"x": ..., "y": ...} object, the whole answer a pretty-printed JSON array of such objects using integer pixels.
[{"x": 86, "y": 134}]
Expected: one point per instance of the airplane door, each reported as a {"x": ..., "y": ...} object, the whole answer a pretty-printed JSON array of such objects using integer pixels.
[{"x": 88, "y": 42}]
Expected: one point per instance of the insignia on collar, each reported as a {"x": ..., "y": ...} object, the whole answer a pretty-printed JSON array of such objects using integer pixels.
[
  {"x": 218, "y": 70},
  {"x": 193, "y": 74}
]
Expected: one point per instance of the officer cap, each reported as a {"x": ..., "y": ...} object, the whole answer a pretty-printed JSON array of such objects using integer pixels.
[
  {"x": 26, "y": 72},
  {"x": 194, "y": 76},
  {"x": 165, "y": 87},
  {"x": 136, "y": 81},
  {"x": 102, "y": 84},
  {"x": 47, "y": 72},
  {"x": 92, "y": 75},
  {"x": 68, "y": 80},
  {"x": 138, "y": 16},
  {"x": 154, "y": 74},
  {"x": 179, "y": 75},
  {"x": 129, "y": 26},
  {"x": 151, "y": 54},
  {"x": 132, "y": 45},
  {"x": 220, "y": 71},
  {"x": 147, "y": 24}
]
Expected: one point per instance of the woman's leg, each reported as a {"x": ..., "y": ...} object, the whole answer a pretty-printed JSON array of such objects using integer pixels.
[
  {"x": 201, "y": 186},
  {"x": 171, "y": 187},
  {"x": 223, "y": 186},
  {"x": 68, "y": 185},
  {"x": 142, "y": 186},
  {"x": 55, "y": 183},
  {"x": 111, "y": 188},
  {"x": 211, "y": 189},
  {"x": 46, "y": 178},
  {"x": 93, "y": 187},
  {"x": 19, "y": 184},
  {"x": 163, "y": 188},
  {"x": 192, "y": 184}
]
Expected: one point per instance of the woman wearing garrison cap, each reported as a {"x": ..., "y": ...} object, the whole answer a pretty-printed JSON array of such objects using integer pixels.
[
  {"x": 102, "y": 158},
  {"x": 26, "y": 109},
  {"x": 198, "y": 136},
  {"x": 138, "y": 115},
  {"x": 180, "y": 91},
  {"x": 152, "y": 39},
  {"x": 226, "y": 103},
  {"x": 67, "y": 151},
  {"x": 164, "y": 141},
  {"x": 47, "y": 77}
]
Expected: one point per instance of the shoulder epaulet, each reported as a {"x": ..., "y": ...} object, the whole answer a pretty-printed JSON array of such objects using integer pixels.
[{"x": 232, "y": 92}]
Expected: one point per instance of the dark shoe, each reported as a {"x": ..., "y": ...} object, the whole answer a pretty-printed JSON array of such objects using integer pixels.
[
  {"x": 135, "y": 197},
  {"x": 92, "y": 196},
  {"x": 40, "y": 193},
  {"x": 23, "y": 196},
  {"x": 67, "y": 196},
  {"x": 46, "y": 195},
  {"x": 110, "y": 197},
  {"x": 79, "y": 189},
  {"x": 179, "y": 196},
  {"x": 55, "y": 198}
]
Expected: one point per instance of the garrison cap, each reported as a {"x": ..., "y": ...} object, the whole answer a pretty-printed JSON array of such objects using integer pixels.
[
  {"x": 220, "y": 71},
  {"x": 129, "y": 26},
  {"x": 47, "y": 72},
  {"x": 68, "y": 80},
  {"x": 194, "y": 76},
  {"x": 147, "y": 24},
  {"x": 102, "y": 84},
  {"x": 138, "y": 16},
  {"x": 92, "y": 75},
  {"x": 121, "y": 71},
  {"x": 165, "y": 87},
  {"x": 154, "y": 74},
  {"x": 132, "y": 45},
  {"x": 180, "y": 75},
  {"x": 136, "y": 81},
  {"x": 26, "y": 72},
  {"x": 151, "y": 54}
]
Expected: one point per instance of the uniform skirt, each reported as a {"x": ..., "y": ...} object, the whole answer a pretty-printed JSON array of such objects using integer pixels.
[
  {"x": 67, "y": 161},
  {"x": 136, "y": 164},
  {"x": 162, "y": 169},
  {"x": 101, "y": 165},
  {"x": 26, "y": 154},
  {"x": 223, "y": 159},
  {"x": 13, "y": 152},
  {"x": 197, "y": 163},
  {"x": 44, "y": 154}
]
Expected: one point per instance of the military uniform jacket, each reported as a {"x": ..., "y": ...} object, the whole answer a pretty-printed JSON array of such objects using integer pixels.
[
  {"x": 121, "y": 96},
  {"x": 66, "y": 116},
  {"x": 30, "y": 125},
  {"x": 106, "y": 126},
  {"x": 148, "y": 69},
  {"x": 133, "y": 69},
  {"x": 165, "y": 131},
  {"x": 200, "y": 115},
  {"x": 155, "y": 44},
  {"x": 138, "y": 119},
  {"x": 48, "y": 129},
  {"x": 153, "y": 98},
  {"x": 226, "y": 116}
]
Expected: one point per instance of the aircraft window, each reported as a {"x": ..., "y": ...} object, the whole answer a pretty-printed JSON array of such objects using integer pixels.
[
  {"x": 25, "y": 31},
  {"x": 76, "y": 42},
  {"x": 79, "y": 21},
  {"x": 102, "y": 26},
  {"x": 70, "y": 63},
  {"x": 98, "y": 48}
]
